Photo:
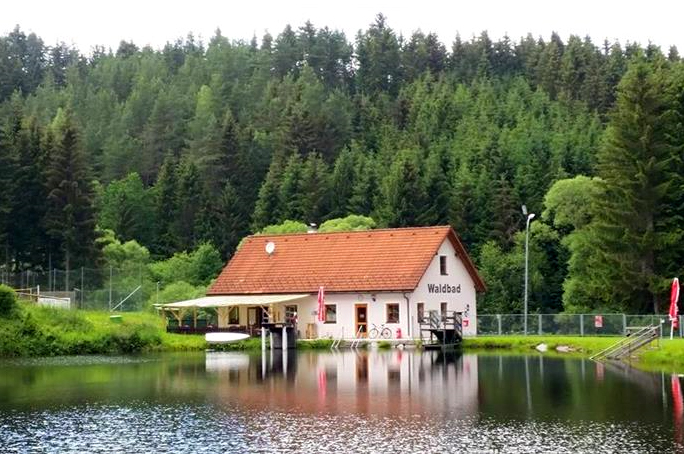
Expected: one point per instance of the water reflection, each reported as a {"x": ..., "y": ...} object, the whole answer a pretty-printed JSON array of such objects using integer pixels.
[
  {"x": 362, "y": 401},
  {"x": 366, "y": 382}
]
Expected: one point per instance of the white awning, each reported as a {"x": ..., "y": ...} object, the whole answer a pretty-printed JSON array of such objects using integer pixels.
[{"x": 239, "y": 300}]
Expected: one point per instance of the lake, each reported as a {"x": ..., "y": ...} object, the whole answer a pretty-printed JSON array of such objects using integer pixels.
[{"x": 349, "y": 401}]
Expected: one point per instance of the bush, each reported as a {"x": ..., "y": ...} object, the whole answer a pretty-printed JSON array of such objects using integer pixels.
[{"x": 8, "y": 301}]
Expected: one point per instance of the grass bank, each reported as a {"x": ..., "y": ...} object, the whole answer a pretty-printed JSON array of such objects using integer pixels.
[
  {"x": 40, "y": 331},
  {"x": 526, "y": 344},
  {"x": 665, "y": 355}
]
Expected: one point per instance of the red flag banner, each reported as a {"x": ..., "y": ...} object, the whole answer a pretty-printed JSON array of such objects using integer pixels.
[
  {"x": 674, "y": 298},
  {"x": 321, "y": 304}
]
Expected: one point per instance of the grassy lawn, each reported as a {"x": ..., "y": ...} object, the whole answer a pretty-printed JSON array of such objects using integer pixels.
[
  {"x": 665, "y": 355},
  {"x": 40, "y": 331},
  {"x": 524, "y": 344}
]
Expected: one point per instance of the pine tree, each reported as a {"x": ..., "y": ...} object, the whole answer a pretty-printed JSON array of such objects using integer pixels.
[
  {"x": 290, "y": 200},
  {"x": 70, "y": 217},
  {"x": 221, "y": 220},
  {"x": 28, "y": 204},
  {"x": 8, "y": 176},
  {"x": 266, "y": 208},
  {"x": 437, "y": 189},
  {"x": 640, "y": 184},
  {"x": 314, "y": 189},
  {"x": 166, "y": 208},
  {"x": 342, "y": 184},
  {"x": 188, "y": 199},
  {"x": 403, "y": 191}
]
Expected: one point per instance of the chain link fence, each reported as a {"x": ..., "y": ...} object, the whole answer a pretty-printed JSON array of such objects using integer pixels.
[
  {"x": 571, "y": 324},
  {"x": 127, "y": 289}
]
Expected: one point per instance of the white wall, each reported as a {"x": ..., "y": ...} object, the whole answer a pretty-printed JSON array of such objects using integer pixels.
[
  {"x": 457, "y": 275},
  {"x": 376, "y": 303}
]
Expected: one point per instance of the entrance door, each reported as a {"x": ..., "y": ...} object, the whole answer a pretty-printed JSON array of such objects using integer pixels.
[{"x": 361, "y": 312}]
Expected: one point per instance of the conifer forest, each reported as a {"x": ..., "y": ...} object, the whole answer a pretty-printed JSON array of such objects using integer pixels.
[{"x": 198, "y": 144}]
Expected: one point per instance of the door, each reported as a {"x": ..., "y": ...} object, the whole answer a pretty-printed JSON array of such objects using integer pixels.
[{"x": 361, "y": 312}]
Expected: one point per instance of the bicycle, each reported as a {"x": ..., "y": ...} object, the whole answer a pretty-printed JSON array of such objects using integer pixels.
[{"x": 382, "y": 331}]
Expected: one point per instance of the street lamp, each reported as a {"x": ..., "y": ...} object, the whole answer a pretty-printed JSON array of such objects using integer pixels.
[
  {"x": 529, "y": 216},
  {"x": 158, "y": 282}
]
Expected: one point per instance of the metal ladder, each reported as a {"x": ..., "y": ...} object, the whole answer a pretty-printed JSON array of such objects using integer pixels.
[
  {"x": 624, "y": 347},
  {"x": 336, "y": 343},
  {"x": 357, "y": 340}
]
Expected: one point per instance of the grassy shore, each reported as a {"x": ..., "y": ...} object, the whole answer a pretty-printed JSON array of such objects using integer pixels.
[
  {"x": 664, "y": 355},
  {"x": 42, "y": 331}
]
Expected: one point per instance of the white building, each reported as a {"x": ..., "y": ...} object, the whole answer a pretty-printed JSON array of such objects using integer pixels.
[{"x": 385, "y": 278}]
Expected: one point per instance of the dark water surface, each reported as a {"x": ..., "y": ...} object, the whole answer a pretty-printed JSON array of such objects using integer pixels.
[{"x": 395, "y": 401}]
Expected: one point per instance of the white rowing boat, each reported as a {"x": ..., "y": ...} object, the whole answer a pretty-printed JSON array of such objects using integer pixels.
[{"x": 224, "y": 338}]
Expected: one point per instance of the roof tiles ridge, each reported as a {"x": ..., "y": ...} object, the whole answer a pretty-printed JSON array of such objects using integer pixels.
[{"x": 347, "y": 232}]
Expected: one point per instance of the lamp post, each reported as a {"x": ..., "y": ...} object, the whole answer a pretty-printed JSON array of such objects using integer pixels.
[
  {"x": 529, "y": 217},
  {"x": 157, "y": 298}
]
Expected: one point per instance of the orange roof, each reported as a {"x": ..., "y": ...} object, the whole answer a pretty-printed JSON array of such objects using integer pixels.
[{"x": 372, "y": 260}]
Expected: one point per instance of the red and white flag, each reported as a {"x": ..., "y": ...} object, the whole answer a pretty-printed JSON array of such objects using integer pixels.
[
  {"x": 674, "y": 298},
  {"x": 321, "y": 304}
]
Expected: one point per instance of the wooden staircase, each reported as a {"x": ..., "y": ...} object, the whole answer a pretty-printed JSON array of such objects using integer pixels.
[{"x": 439, "y": 330}]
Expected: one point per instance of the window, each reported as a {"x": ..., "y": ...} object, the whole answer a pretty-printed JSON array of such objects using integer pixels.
[
  {"x": 443, "y": 308},
  {"x": 393, "y": 313},
  {"x": 443, "y": 265},
  {"x": 291, "y": 314},
  {"x": 234, "y": 316},
  {"x": 331, "y": 313},
  {"x": 421, "y": 311}
]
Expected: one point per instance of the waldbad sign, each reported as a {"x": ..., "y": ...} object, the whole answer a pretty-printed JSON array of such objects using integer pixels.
[{"x": 443, "y": 288}]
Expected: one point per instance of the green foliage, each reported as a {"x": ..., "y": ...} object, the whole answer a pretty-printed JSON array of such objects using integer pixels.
[
  {"x": 42, "y": 331},
  {"x": 126, "y": 207},
  {"x": 8, "y": 301},
  {"x": 349, "y": 223},
  {"x": 287, "y": 226},
  {"x": 192, "y": 144},
  {"x": 70, "y": 217},
  {"x": 197, "y": 268},
  {"x": 178, "y": 291},
  {"x": 315, "y": 344},
  {"x": 632, "y": 243}
]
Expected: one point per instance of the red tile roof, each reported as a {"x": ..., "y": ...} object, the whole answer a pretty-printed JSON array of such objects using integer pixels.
[{"x": 373, "y": 260}]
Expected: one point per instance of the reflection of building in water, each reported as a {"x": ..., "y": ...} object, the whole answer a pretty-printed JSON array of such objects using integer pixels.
[{"x": 405, "y": 382}]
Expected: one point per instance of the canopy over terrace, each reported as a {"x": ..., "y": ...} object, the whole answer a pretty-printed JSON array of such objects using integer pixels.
[{"x": 223, "y": 304}]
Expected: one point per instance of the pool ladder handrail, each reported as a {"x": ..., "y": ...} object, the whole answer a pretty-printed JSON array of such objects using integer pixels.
[
  {"x": 623, "y": 347},
  {"x": 336, "y": 343},
  {"x": 357, "y": 340}
]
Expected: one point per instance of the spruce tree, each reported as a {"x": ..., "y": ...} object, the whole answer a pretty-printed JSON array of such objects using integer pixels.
[
  {"x": 29, "y": 197},
  {"x": 639, "y": 168},
  {"x": 403, "y": 191},
  {"x": 70, "y": 216},
  {"x": 266, "y": 208},
  {"x": 166, "y": 208}
]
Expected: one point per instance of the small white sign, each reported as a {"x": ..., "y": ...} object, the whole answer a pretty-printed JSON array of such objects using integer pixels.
[{"x": 59, "y": 303}]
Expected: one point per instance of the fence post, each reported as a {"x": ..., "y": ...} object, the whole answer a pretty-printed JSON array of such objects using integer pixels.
[
  {"x": 540, "y": 324},
  {"x": 624, "y": 324},
  {"x": 82, "y": 288},
  {"x": 498, "y": 320},
  {"x": 110, "y": 288},
  {"x": 582, "y": 325}
]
